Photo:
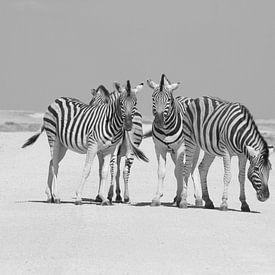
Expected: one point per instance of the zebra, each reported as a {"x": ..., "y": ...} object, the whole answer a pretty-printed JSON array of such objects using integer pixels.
[
  {"x": 135, "y": 135},
  {"x": 225, "y": 129},
  {"x": 71, "y": 124},
  {"x": 167, "y": 132}
]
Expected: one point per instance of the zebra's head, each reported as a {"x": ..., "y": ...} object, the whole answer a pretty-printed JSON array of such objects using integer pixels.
[
  {"x": 258, "y": 171},
  {"x": 162, "y": 99},
  {"x": 127, "y": 102}
]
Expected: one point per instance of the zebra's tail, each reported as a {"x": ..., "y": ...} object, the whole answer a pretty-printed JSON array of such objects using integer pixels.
[
  {"x": 33, "y": 139},
  {"x": 148, "y": 134},
  {"x": 138, "y": 153}
]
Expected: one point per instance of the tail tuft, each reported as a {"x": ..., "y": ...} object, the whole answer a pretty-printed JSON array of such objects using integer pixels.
[
  {"x": 138, "y": 153},
  {"x": 32, "y": 139}
]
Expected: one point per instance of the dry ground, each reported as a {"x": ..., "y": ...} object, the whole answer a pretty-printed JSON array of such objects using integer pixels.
[{"x": 40, "y": 238}]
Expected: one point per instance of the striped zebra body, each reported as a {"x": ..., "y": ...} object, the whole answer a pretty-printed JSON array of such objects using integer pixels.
[
  {"x": 225, "y": 129},
  {"x": 71, "y": 124},
  {"x": 122, "y": 151},
  {"x": 136, "y": 137},
  {"x": 167, "y": 132},
  {"x": 76, "y": 125}
]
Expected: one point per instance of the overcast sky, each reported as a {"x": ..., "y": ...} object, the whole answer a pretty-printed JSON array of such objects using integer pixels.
[{"x": 59, "y": 48}]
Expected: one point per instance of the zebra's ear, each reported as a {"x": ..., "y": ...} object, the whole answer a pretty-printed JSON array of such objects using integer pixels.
[
  {"x": 173, "y": 86},
  {"x": 252, "y": 152},
  {"x": 138, "y": 87},
  {"x": 93, "y": 92},
  {"x": 167, "y": 82},
  {"x": 152, "y": 84},
  {"x": 118, "y": 87}
]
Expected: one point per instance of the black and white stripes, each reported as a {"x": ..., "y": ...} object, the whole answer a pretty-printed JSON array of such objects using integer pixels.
[{"x": 225, "y": 129}]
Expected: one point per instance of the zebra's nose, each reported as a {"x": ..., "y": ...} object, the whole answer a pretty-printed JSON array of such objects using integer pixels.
[
  {"x": 128, "y": 123},
  {"x": 159, "y": 119}
]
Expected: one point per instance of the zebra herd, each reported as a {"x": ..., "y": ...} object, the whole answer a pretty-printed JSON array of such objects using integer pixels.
[{"x": 110, "y": 126}]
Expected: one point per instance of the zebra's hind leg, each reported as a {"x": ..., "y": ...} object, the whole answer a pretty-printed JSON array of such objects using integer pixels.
[
  {"x": 126, "y": 174},
  {"x": 242, "y": 164},
  {"x": 203, "y": 171},
  {"x": 58, "y": 152}
]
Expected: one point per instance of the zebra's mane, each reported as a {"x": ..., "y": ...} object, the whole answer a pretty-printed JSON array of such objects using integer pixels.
[
  {"x": 265, "y": 150},
  {"x": 161, "y": 82},
  {"x": 128, "y": 88}
]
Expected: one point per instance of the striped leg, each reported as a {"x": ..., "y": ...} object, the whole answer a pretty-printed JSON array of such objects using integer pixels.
[
  {"x": 178, "y": 159},
  {"x": 195, "y": 179},
  {"x": 242, "y": 164},
  {"x": 91, "y": 153},
  {"x": 226, "y": 180},
  {"x": 203, "y": 171},
  {"x": 58, "y": 152},
  {"x": 126, "y": 174},
  {"x": 105, "y": 164},
  {"x": 161, "y": 159},
  {"x": 117, "y": 178}
]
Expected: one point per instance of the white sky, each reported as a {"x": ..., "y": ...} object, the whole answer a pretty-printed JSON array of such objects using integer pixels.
[{"x": 59, "y": 48}]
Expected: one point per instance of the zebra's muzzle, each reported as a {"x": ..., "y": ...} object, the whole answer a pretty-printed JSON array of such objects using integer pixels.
[
  {"x": 159, "y": 120},
  {"x": 263, "y": 194},
  {"x": 128, "y": 123}
]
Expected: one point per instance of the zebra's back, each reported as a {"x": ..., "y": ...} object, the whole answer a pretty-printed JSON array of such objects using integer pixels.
[
  {"x": 70, "y": 121},
  {"x": 216, "y": 125}
]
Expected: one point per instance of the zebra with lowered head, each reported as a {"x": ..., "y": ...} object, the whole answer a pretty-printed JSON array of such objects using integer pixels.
[
  {"x": 71, "y": 124},
  {"x": 124, "y": 150},
  {"x": 225, "y": 129},
  {"x": 167, "y": 132}
]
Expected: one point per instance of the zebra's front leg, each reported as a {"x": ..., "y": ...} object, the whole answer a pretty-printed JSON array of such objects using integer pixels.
[
  {"x": 161, "y": 159},
  {"x": 126, "y": 174},
  {"x": 178, "y": 158},
  {"x": 203, "y": 171},
  {"x": 114, "y": 165},
  {"x": 91, "y": 153},
  {"x": 226, "y": 180},
  {"x": 242, "y": 164},
  {"x": 104, "y": 175}
]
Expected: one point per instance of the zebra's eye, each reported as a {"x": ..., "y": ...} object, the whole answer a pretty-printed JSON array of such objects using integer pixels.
[{"x": 256, "y": 169}]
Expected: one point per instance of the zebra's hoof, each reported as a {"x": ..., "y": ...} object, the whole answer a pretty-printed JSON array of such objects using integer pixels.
[
  {"x": 57, "y": 200},
  {"x": 78, "y": 202},
  {"x": 199, "y": 203},
  {"x": 155, "y": 202},
  {"x": 223, "y": 207},
  {"x": 245, "y": 207},
  {"x": 98, "y": 199},
  {"x": 183, "y": 204},
  {"x": 127, "y": 200},
  {"x": 118, "y": 199},
  {"x": 209, "y": 205},
  {"x": 106, "y": 203}
]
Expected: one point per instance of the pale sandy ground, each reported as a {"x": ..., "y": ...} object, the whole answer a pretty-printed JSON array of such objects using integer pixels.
[{"x": 40, "y": 238}]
